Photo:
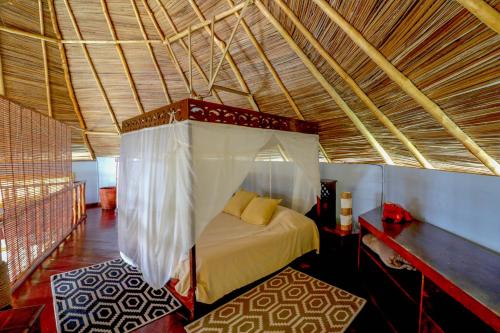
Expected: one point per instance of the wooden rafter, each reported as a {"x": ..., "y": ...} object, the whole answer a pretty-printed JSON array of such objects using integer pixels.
[
  {"x": 222, "y": 46},
  {"x": 92, "y": 68},
  {"x": 324, "y": 83},
  {"x": 409, "y": 87},
  {"x": 231, "y": 90},
  {"x": 121, "y": 55},
  {"x": 484, "y": 12},
  {"x": 151, "y": 52},
  {"x": 274, "y": 74},
  {"x": 170, "y": 52},
  {"x": 205, "y": 23},
  {"x": 226, "y": 49},
  {"x": 184, "y": 46},
  {"x": 67, "y": 78},
  {"x": 354, "y": 86},
  {"x": 2, "y": 84},
  {"x": 20, "y": 32},
  {"x": 45, "y": 60}
]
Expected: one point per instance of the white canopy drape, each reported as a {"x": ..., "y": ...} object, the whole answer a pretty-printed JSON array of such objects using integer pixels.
[{"x": 173, "y": 179}]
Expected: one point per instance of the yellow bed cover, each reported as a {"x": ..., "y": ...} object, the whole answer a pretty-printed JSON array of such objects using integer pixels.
[{"x": 231, "y": 253}]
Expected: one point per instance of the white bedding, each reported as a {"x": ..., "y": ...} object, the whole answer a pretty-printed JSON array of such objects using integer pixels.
[{"x": 231, "y": 253}]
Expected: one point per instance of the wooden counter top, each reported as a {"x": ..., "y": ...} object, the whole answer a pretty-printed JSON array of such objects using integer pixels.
[{"x": 467, "y": 271}]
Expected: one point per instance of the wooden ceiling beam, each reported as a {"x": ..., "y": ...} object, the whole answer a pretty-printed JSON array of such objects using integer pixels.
[
  {"x": 230, "y": 90},
  {"x": 45, "y": 60},
  {"x": 151, "y": 52},
  {"x": 121, "y": 55},
  {"x": 170, "y": 52},
  {"x": 409, "y": 87},
  {"x": 2, "y": 83},
  {"x": 324, "y": 83},
  {"x": 274, "y": 74},
  {"x": 20, "y": 32},
  {"x": 204, "y": 22},
  {"x": 222, "y": 46},
  {"x": 354, "y": 86},
  {"x": 484, "y": 12},
  {"x": 67, "y": 78},
  {"x": 226, "y": 49},
  {"x": 184, "y": 46},
  {"x": 92, "y": 68}
]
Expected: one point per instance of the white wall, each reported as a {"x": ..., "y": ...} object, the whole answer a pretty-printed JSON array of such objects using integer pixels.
[
  {"x": 465, "y": 204},
  {"x": 106, "y": 167},
  {"x": 87, "y": 171},
  {"x": 96, "y": 174},
  {"x": 364, "y": 181}
]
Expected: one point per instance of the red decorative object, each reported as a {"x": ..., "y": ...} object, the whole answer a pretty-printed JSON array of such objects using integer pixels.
[
  {"x": 395, "y": 213},
  {"x": 108, "y": 197},
  {"x": 194, "y": 109}
]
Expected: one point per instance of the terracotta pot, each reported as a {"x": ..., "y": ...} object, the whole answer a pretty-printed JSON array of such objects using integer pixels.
[{"x": 108, "y": 197}]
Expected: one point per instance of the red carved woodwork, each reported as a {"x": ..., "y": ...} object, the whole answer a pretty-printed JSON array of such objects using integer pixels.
[{"x": 193, "y": 109}]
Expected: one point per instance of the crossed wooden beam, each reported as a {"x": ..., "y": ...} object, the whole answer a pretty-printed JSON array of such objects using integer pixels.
[{"x": 479, "y": 8}]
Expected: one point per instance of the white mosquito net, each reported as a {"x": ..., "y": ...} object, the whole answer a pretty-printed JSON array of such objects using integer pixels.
[{"x": 174, "y": 179}]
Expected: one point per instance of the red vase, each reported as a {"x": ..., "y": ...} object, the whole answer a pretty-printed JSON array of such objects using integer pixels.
[{"x": 108, "y": 197}]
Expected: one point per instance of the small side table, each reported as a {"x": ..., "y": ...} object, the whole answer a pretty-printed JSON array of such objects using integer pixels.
[
  {"x": 21, "y": 320},
  {"x": 339, "y": 246}
]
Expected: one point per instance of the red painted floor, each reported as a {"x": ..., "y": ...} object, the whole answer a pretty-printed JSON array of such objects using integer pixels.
[{"x": 94, "y": 241}]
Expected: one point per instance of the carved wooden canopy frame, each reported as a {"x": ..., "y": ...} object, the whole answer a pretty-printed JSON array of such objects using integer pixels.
[{"x": 193, "y": 109}]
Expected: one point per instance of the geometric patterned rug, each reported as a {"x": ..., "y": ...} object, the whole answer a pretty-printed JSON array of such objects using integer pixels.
[
  {"x": 107, "y": 297},
  {"x": 291, "y": 301}
]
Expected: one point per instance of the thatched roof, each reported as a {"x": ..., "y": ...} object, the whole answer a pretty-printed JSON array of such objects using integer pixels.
[{"x": 448, "y": 49}]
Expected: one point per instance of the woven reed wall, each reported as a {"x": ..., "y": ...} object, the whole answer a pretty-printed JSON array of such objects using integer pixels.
[
  {"x": 35, "y": 185},
  {"x": 444, "y": 49}
]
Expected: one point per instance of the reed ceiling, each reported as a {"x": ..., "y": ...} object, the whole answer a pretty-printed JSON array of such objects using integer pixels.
[{"x": 446, "y": 51}]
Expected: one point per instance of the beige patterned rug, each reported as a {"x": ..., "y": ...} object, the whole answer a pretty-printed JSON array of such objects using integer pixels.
[{"x": 291, "y": 301}]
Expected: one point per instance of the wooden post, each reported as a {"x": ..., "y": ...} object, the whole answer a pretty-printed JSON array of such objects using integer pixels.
[
  {"x": 212, "y": 34},
  {"x": 354, "y": 86},
  {"x": 151, "y": 53},
  {"x": 123, "y": 60},
  {"x": 184, "y": 46},
  {"x": 228, "y": 56},
  {"x": 484, "y": 12},
  {"x": 45, "y": 61},
  {"x": 67, "y": 78},
  {"x": 324, "y": 83},
  {"x": 190, "y": 63},
  {"x": 407, "y": 85},
  {"x": 92, "y": 68},
  {"x": 273, "y": 72},
  {"x": 226, "y": 49},
  {"x": 170, "y": 52}
]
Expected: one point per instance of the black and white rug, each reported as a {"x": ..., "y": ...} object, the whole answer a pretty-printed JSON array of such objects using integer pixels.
[{"x": 107, "y": 297}]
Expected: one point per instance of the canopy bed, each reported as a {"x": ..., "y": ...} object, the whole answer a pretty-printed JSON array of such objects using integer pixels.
[{"x": 179, "y": 166}]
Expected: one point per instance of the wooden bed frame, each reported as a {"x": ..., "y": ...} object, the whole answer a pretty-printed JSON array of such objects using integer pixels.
[{"x": 193, "y": 109}]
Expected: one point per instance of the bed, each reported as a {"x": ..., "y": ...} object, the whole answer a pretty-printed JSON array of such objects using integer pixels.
[
  {"x": 231, "y": 253},
  {"x": 180, "y": 164}
]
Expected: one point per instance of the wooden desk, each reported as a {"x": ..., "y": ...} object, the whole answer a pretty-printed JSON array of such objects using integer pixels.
[
  {"x": 21, "y": 320},
  {"x": 467, "y": 272}
]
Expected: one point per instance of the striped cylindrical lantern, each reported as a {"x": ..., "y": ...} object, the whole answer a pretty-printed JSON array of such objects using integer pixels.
[{"x": 346, "y": 211}]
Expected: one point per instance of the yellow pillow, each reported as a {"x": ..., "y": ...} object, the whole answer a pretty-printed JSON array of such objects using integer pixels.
[
  {"x": 237, "y": 204},
  {"x": 260, "y": 210}
]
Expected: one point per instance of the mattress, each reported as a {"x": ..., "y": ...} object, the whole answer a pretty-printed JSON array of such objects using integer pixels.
[{"x": 231, "y": 253}]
